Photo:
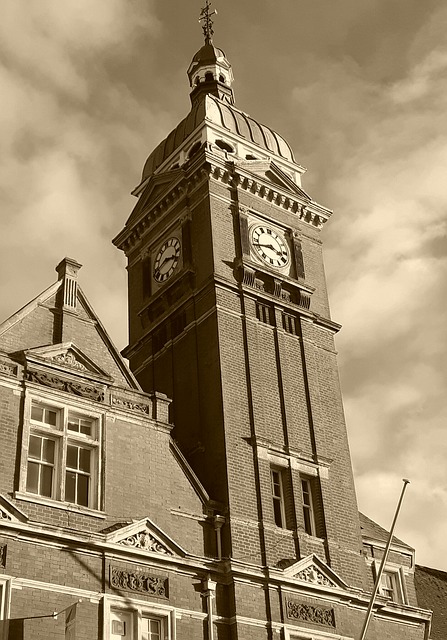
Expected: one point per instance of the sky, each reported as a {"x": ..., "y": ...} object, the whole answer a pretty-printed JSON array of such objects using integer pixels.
[{"x": 359, "y": 89}]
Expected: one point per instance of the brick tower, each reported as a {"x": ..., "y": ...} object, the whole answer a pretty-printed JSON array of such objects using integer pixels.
[{"x": 229, "y": 316}]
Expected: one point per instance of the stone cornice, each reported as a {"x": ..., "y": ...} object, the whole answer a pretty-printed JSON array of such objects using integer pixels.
[
  {"x": 208, "y": 166},
  {"x": 308, "y": 211}
]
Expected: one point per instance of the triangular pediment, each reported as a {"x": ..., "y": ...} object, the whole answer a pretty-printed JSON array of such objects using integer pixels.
[
  {"x": 313, "y": 570},
  {"x": 156, "y": 187},
  {"x": 66, "y": 356},
  {"x": 9, "y": 512},
  {"x": 144, "y": 535},
  {"x": 272, "y": 173}
]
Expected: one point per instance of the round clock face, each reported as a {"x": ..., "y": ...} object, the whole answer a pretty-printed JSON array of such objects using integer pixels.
[
  {"x": 167, "y": 259},
  {"x": 269, "y": 246}
]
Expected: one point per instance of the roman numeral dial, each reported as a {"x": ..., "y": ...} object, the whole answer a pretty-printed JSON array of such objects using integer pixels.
[
  {"x": 167, "y": 259},
  {"x": 269, "y": 246}
]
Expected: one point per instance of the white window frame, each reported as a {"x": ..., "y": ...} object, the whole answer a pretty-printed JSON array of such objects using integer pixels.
[
  {"x": 5, "y": 605},
  {"x": 397, "y": 575},
  {"x": 308, "y": 508},
  {"x": 63, "y": 437},
  {"x": 138, "y": 611},
  {"x": 292, "y": 633},
  {"x": 277, "y": 481}
]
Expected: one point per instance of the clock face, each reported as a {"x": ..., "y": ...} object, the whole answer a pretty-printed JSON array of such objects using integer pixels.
[
  {"x": 269, "y": 246},
  {"x": 167, "y": 259}
]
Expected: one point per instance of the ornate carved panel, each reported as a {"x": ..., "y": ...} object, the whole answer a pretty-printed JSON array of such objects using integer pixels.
[
  {"x": 140, "y": 582},
  {"x": 84, "y": 390},
  {"x": 313, "y": 575},
  {"x": 69, "y": 360},
  {"x": 144, "y": 540},
  {"x": 310, "y": 613},
  {"x": 130, "y": 405},
  {"x": 8, "y": 369}
]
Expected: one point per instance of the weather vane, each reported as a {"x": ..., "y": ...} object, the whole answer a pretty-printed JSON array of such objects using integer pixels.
[{"x": 207, "y": 26}]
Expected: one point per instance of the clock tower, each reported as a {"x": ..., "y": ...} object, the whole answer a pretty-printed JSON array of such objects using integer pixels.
[{"x": 229, "y": 317}]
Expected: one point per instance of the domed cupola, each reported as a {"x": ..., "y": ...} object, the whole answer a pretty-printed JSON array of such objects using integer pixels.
[{"x": 210, "y": 71}]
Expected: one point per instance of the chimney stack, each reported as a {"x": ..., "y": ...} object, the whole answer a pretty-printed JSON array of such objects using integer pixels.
[{"x": 67, "y": 270}]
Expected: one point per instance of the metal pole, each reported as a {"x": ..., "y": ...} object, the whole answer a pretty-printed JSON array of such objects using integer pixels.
[{"x": 382, "y": 564}]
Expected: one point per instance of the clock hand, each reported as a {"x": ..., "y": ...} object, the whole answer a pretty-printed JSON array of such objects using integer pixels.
[
  {"x": 269, "y": 246},
  {"x": 167, "y": 259}
]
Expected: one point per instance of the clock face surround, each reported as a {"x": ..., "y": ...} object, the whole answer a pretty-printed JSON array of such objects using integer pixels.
[
  {"x": 269, "y": 246},
  {"x": 167, "y": 259}
]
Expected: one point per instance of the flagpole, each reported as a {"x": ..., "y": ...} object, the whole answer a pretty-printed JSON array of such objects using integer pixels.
[
  {"x": 382, "y": 564},
  {"x": 48, "y": 615}
]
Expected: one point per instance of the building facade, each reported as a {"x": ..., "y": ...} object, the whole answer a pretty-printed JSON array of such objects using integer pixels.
[{"x": 207, "y": 491}]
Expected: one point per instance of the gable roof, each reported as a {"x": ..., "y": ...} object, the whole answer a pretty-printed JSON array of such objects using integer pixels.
[
  {"x": 66, "y": 355},
  {"x": 371, "y": 529},
  {"x": 46, "y": 321}
]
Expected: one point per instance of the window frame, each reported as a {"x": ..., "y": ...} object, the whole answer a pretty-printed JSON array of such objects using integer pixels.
[
  {"x": 138, "y": 611},
  {"x": 310, "y": 526},
  {"x": 289, "y": 323},
  {"x": 397, "y": 576},
  {"x": 5, "y": 605},
  {"x": 278, "y": 499},
  {"x": 265, "y": 313},
  {"x": 62, "y": 436},
  {"x": 292, "y": 633}
]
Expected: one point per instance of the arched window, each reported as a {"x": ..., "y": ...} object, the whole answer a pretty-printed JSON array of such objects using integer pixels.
[
  {"x": 250, "y": 156},
  {"x": 221, "y": 78},
  {"x": 209, "y": 76}
]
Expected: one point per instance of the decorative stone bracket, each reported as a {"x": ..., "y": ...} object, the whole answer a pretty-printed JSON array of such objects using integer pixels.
[{"x": 289, "y": 291}]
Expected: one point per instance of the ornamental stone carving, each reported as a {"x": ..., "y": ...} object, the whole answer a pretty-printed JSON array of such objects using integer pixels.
[
  {"x": 86, "y": 391},
  {"x": 4, "y": 515},
  {"x": 310, "y": 613},
  {"x": 129, "y": 405},
  {"x": 141, "y": 582},
  {"x": 8, "y": 369},
  {"x": 68, "y": 359},
  {"x": 144, "y": 540},
  {"x": 311, "y": 574}
]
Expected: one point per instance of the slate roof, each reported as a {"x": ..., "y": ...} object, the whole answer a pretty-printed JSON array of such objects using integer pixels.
[
  {"x": 371, "y": 529},
  {"x": 431, "y": 592}
]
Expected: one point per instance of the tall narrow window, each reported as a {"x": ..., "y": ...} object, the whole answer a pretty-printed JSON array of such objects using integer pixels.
[
  {"x": 264, "y": 313},
  {"x": 40, "y": 477},
  {"x": 308, "y": 507},
  {"x": 279, "y": 513},
  {"x": 289, "y": 323},
  {"x": 391, "y": 586}
]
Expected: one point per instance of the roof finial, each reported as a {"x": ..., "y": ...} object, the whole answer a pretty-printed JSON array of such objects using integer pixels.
[{"x": 207, "y": 26}]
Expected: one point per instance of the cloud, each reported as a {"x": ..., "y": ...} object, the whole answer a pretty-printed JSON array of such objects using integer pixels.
[
  {"x": 379, "y": 158},
  {"x": 69, "y": 157},
  {"x": 364, "y": 108}
]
